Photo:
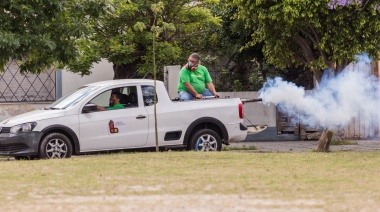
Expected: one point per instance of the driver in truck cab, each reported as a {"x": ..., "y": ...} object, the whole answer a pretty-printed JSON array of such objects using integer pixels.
[{"x": 114, "y": 102}]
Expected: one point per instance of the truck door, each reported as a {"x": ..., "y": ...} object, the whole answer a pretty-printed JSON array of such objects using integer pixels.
[{"x": 110, "y": 128}]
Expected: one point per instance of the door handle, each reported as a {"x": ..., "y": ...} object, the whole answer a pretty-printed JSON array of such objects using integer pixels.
[{"x": 140, "y": 117}]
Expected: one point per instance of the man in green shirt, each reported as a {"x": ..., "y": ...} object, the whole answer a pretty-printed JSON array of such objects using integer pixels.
[
  {"x": 114, "y": 102},
  {"x": 195, "y": 81}
]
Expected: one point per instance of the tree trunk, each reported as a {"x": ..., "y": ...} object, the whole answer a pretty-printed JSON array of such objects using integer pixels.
[
  {"x": 324, "y": 141},
  {"x": 317, "y": 77},
  {"x": 125, "y": 71}
]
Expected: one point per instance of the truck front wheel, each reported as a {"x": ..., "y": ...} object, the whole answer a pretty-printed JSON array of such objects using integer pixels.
[
  {"x": 205, "y": 140},
  {"x": 55, "y": 145}
]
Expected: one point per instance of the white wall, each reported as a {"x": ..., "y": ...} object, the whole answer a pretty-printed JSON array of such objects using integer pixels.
[{"x": 101, "y": 71}]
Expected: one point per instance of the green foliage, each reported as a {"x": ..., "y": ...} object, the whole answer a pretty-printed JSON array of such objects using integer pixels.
[
  {"x": 123, "y": 35},
  {"x": 77, "y": 33},
  {"x": 315, "y": 34},
  {"x": 43, "y": 33},
  {"x": 235, "y": 63},
  {"x": 238, "y": 86},
  {"x": 164, "y": 51}
]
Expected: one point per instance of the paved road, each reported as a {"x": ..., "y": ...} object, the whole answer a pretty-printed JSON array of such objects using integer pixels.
[{"x": 302, "y": 146}]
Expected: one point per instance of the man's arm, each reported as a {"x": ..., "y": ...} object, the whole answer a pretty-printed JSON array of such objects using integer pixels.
[
  {"x": 191, "y": 90},
  {"x": 100, "y": 108},
  {"x": 211, "y": 87}
]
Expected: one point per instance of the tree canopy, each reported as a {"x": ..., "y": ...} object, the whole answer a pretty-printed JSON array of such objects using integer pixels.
[
  {"x": 124, "y": 34},
  {"x": 319, "y": 34},
  {"x": 43, "y": 33},
  {"x": 230, "y": 37},
  {"x": 289, "y": 33}
]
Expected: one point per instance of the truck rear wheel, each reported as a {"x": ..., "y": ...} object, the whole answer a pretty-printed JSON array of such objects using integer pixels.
[
  {"x": 55, "y": 145},
  {"x": 205, "y": 140}
]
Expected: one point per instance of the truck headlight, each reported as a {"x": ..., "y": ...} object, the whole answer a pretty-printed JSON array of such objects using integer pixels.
[{"x": 26, "y": 127}]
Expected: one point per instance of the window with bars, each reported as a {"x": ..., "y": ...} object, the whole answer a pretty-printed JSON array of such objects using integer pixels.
[{"x": 17, "y": 87}]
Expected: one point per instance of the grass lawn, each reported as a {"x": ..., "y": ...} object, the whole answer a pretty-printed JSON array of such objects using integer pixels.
[{"x": 333, "y": 181}]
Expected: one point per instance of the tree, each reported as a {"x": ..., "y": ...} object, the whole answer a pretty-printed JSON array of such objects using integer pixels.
[
  {"x": 123, "y": 35},
  {"x": 241, "y": 67},
  {"x": 318, "y": 34},
  {"x": 43, "y": 33},
  {"x": 230, "y": 38}
]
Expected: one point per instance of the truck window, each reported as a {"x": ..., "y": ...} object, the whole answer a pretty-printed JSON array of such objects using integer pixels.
[
  {"x": 148, "y": 95},
  {"x": 102, "y": 99},
  {"x": 127, "y": 97},
  {"x": 73, "y": 98}
]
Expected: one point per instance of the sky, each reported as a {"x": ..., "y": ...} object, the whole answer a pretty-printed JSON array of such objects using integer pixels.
[{"x": 334, "y": 102}]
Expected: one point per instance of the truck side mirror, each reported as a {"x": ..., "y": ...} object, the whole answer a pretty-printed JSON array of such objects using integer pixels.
[{"x": 89, "y": 107}]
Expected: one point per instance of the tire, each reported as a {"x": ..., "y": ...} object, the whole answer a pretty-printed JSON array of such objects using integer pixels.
[
  {"x": 209, "y": 140},
  {"x": 55, "y": 145}
]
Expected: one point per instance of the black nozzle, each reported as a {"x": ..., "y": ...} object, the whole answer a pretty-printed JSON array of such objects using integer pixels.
[{"x": 252, "y": 100}]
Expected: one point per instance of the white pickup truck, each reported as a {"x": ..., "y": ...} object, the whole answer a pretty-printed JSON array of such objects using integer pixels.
[{"x": 73, "y": 124}]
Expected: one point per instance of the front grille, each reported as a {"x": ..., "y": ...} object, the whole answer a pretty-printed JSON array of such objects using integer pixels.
[
  {"x": 12, "y": 148},
  {"x": 5, "y": 130}
]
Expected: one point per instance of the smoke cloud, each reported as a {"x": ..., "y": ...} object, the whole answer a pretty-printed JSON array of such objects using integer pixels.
[{"x": 335, "y": 101}]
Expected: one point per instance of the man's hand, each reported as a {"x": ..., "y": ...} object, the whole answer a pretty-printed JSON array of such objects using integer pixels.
[
  {"x": 211, "y": 87},
  {"x": 191, "y": 90},
  {"x": 100, "y": 108},
  {"x": 199, "y": 96}
]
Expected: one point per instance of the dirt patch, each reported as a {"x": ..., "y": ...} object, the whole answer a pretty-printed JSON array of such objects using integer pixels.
[{"x": 165, "y": 203}]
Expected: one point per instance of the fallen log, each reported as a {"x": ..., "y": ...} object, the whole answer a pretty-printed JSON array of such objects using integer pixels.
[{"x": 314, "y": 135}]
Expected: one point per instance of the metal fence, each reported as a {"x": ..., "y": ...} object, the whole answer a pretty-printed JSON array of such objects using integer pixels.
[{"x": 17, "y": 87}]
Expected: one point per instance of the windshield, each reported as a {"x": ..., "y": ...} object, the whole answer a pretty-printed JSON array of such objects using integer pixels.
[{"x": 72, "y": 98}]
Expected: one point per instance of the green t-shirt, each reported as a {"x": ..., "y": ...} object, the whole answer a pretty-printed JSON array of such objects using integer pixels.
[
  {"x": 197, "y": 78},
  {"x": 116, "y": 106}
]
